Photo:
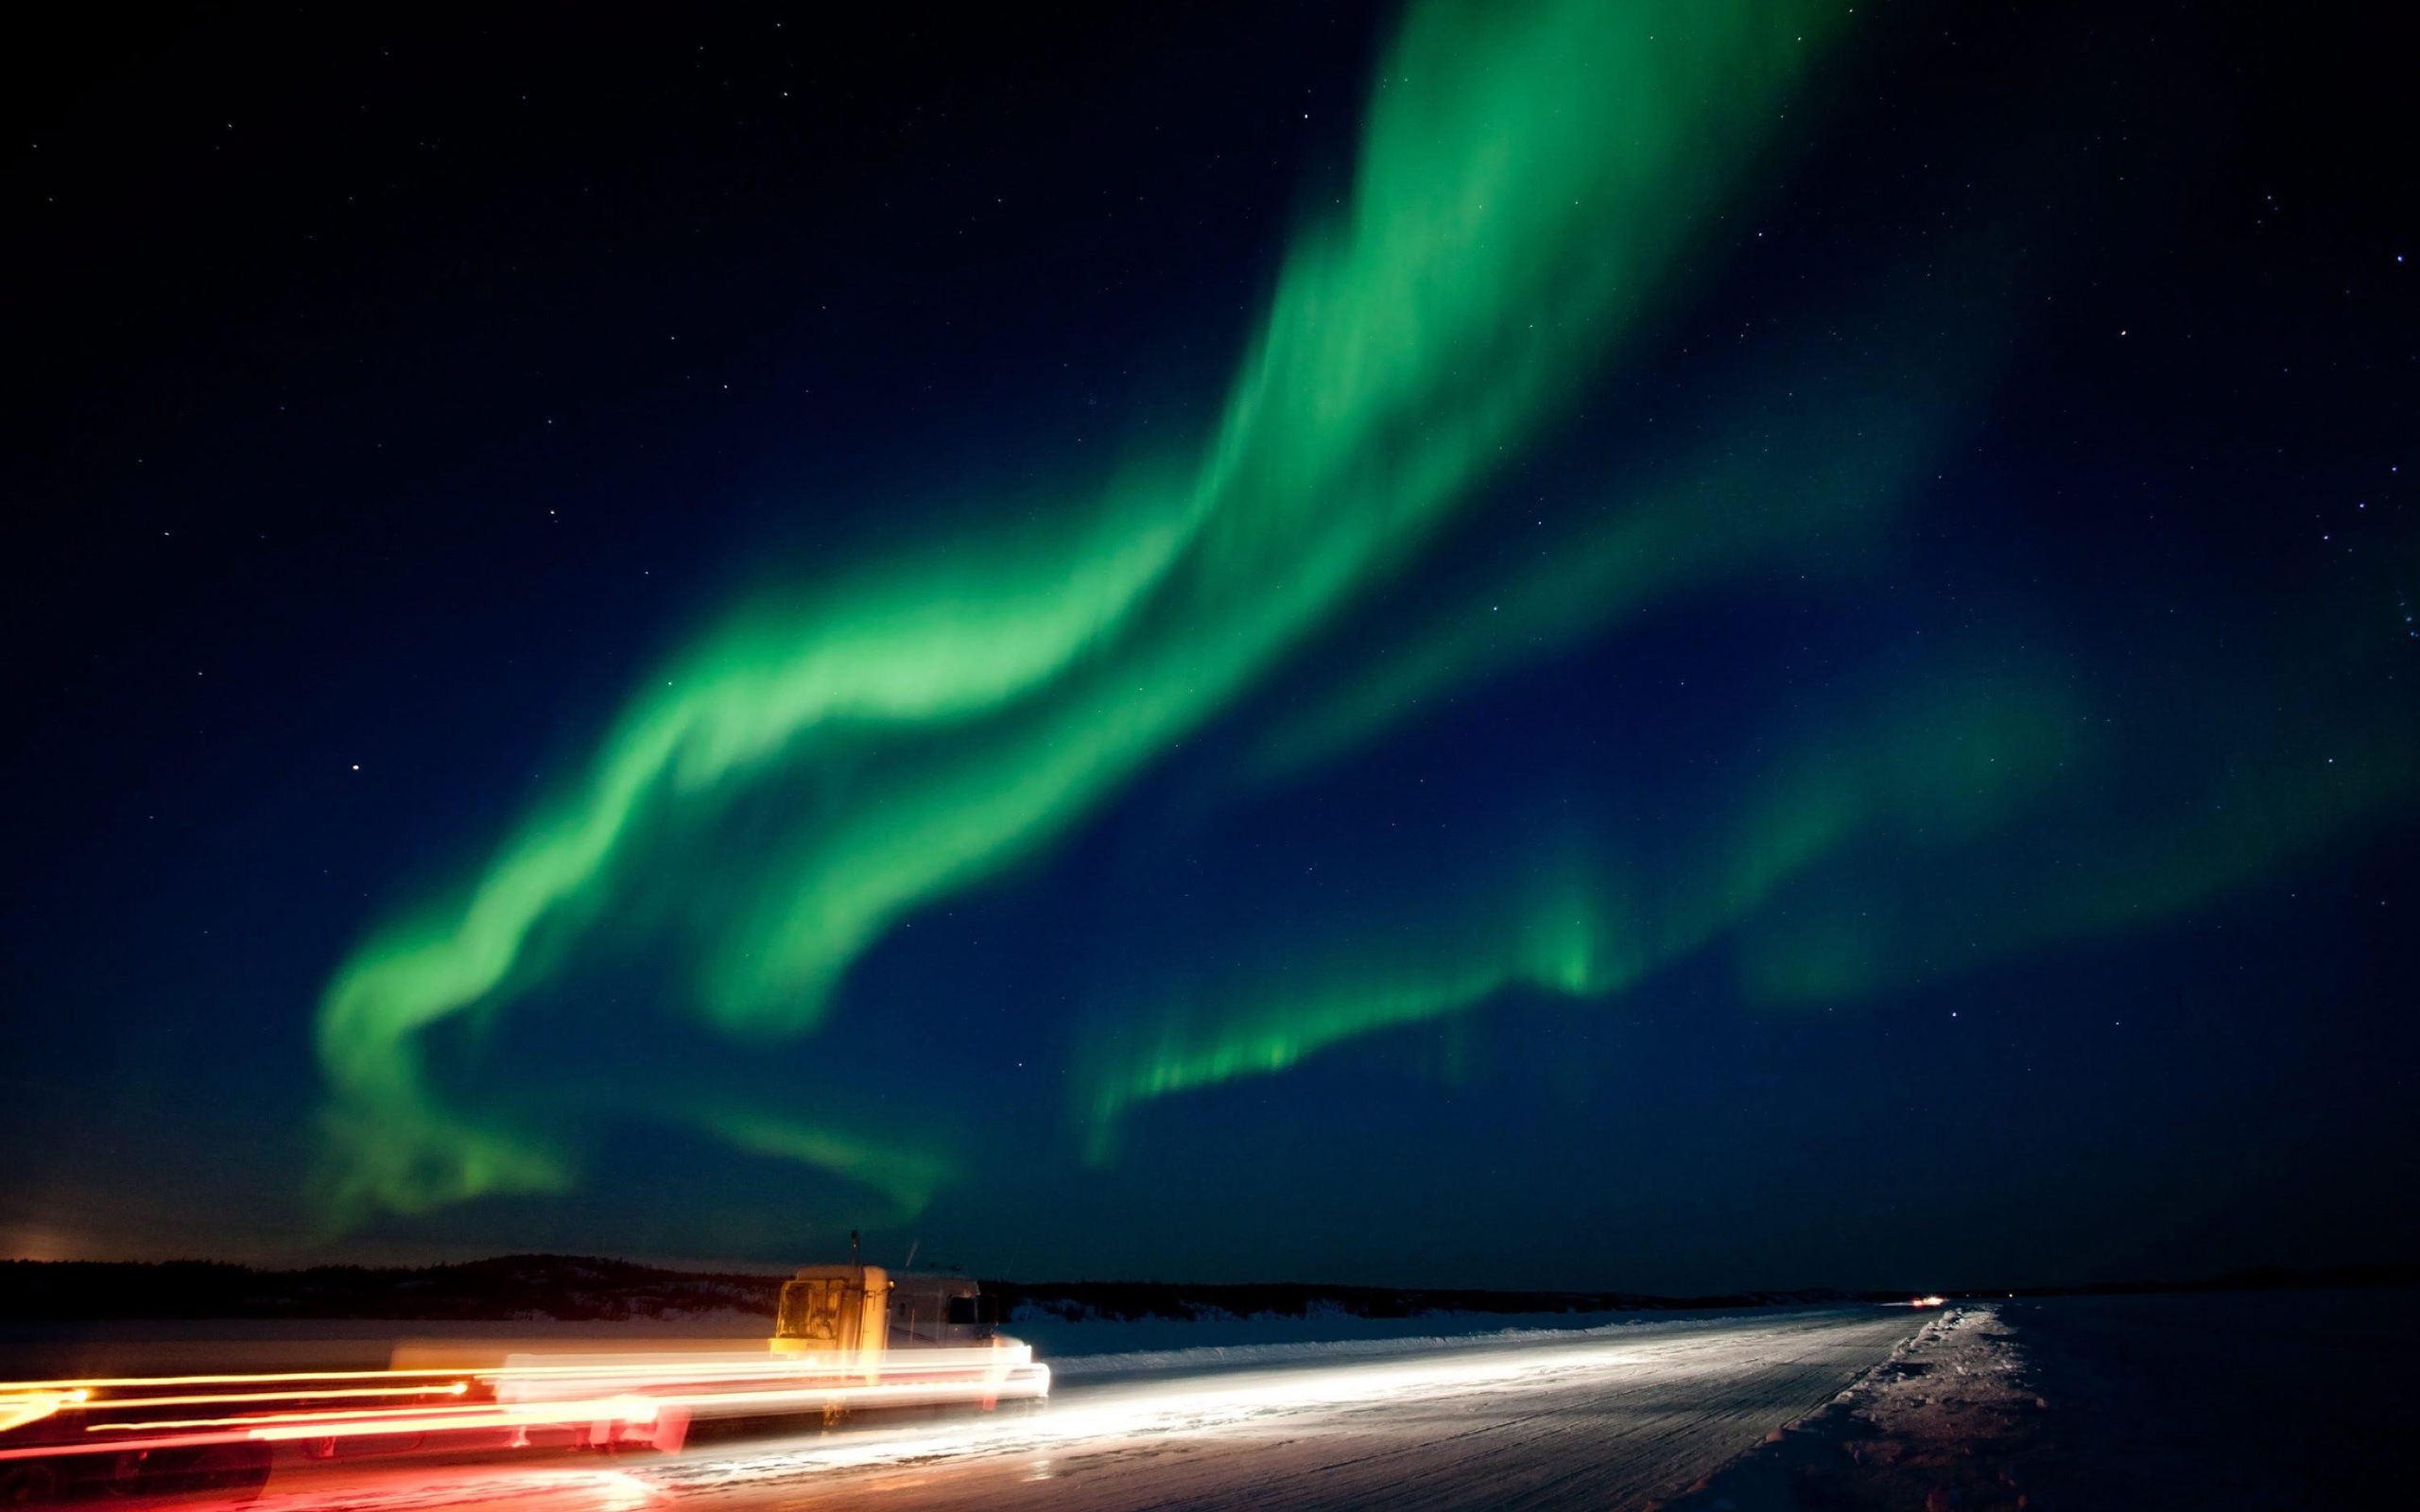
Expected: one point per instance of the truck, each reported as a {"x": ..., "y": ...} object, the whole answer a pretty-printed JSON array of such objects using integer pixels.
[{"x": 847, "y": 1339}]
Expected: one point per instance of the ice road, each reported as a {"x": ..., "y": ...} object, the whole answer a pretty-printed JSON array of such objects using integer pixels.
[{"x": 1608, "y": 1417}]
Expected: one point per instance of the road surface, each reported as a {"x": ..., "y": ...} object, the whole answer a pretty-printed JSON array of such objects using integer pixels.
[{"x": 1608, "y": 1418}]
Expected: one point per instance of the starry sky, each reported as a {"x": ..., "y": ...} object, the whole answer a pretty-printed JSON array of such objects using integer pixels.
[{"x": 1660, "y": 643}]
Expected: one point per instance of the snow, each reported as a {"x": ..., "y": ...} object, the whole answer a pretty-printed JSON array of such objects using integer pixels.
[
  {"x": 1092, "y": 1344},
  {"x": 2217, "y": 1402}
]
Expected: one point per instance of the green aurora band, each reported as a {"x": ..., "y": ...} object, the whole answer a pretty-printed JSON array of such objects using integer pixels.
[{"x": 1528, "y": 175}]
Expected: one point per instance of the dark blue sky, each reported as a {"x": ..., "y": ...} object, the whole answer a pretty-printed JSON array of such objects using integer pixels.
[{"x": 1901, "y": 773}]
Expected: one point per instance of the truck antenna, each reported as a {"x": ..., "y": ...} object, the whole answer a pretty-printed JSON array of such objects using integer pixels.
[{"x": 853, "y": 1247}]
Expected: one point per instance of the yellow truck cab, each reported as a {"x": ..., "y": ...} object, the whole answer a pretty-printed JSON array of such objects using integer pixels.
[{"x": 854, "y": 1309}]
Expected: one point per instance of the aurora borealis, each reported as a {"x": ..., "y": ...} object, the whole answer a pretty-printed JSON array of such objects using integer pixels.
[
  {"x": 1623, "y": 609},
  {"x": 1523, "y": 184}
]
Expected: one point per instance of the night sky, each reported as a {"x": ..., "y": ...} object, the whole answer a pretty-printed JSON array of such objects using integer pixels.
[{"x": 1661, "y": 643}]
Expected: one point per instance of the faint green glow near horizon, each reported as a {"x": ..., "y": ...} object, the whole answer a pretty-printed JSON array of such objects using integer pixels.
[
  {"x": 1527, "y": 175},
  {"x": 2308, "y": 749},
  {"x": 1921, "y": 769}
]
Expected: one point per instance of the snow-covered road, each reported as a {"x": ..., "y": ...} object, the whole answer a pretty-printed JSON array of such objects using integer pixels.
[{"x": 1605, "y": 1418}]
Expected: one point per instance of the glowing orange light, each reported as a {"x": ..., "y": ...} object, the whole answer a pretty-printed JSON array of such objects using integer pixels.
[{"x": 18, "y": 1408}]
